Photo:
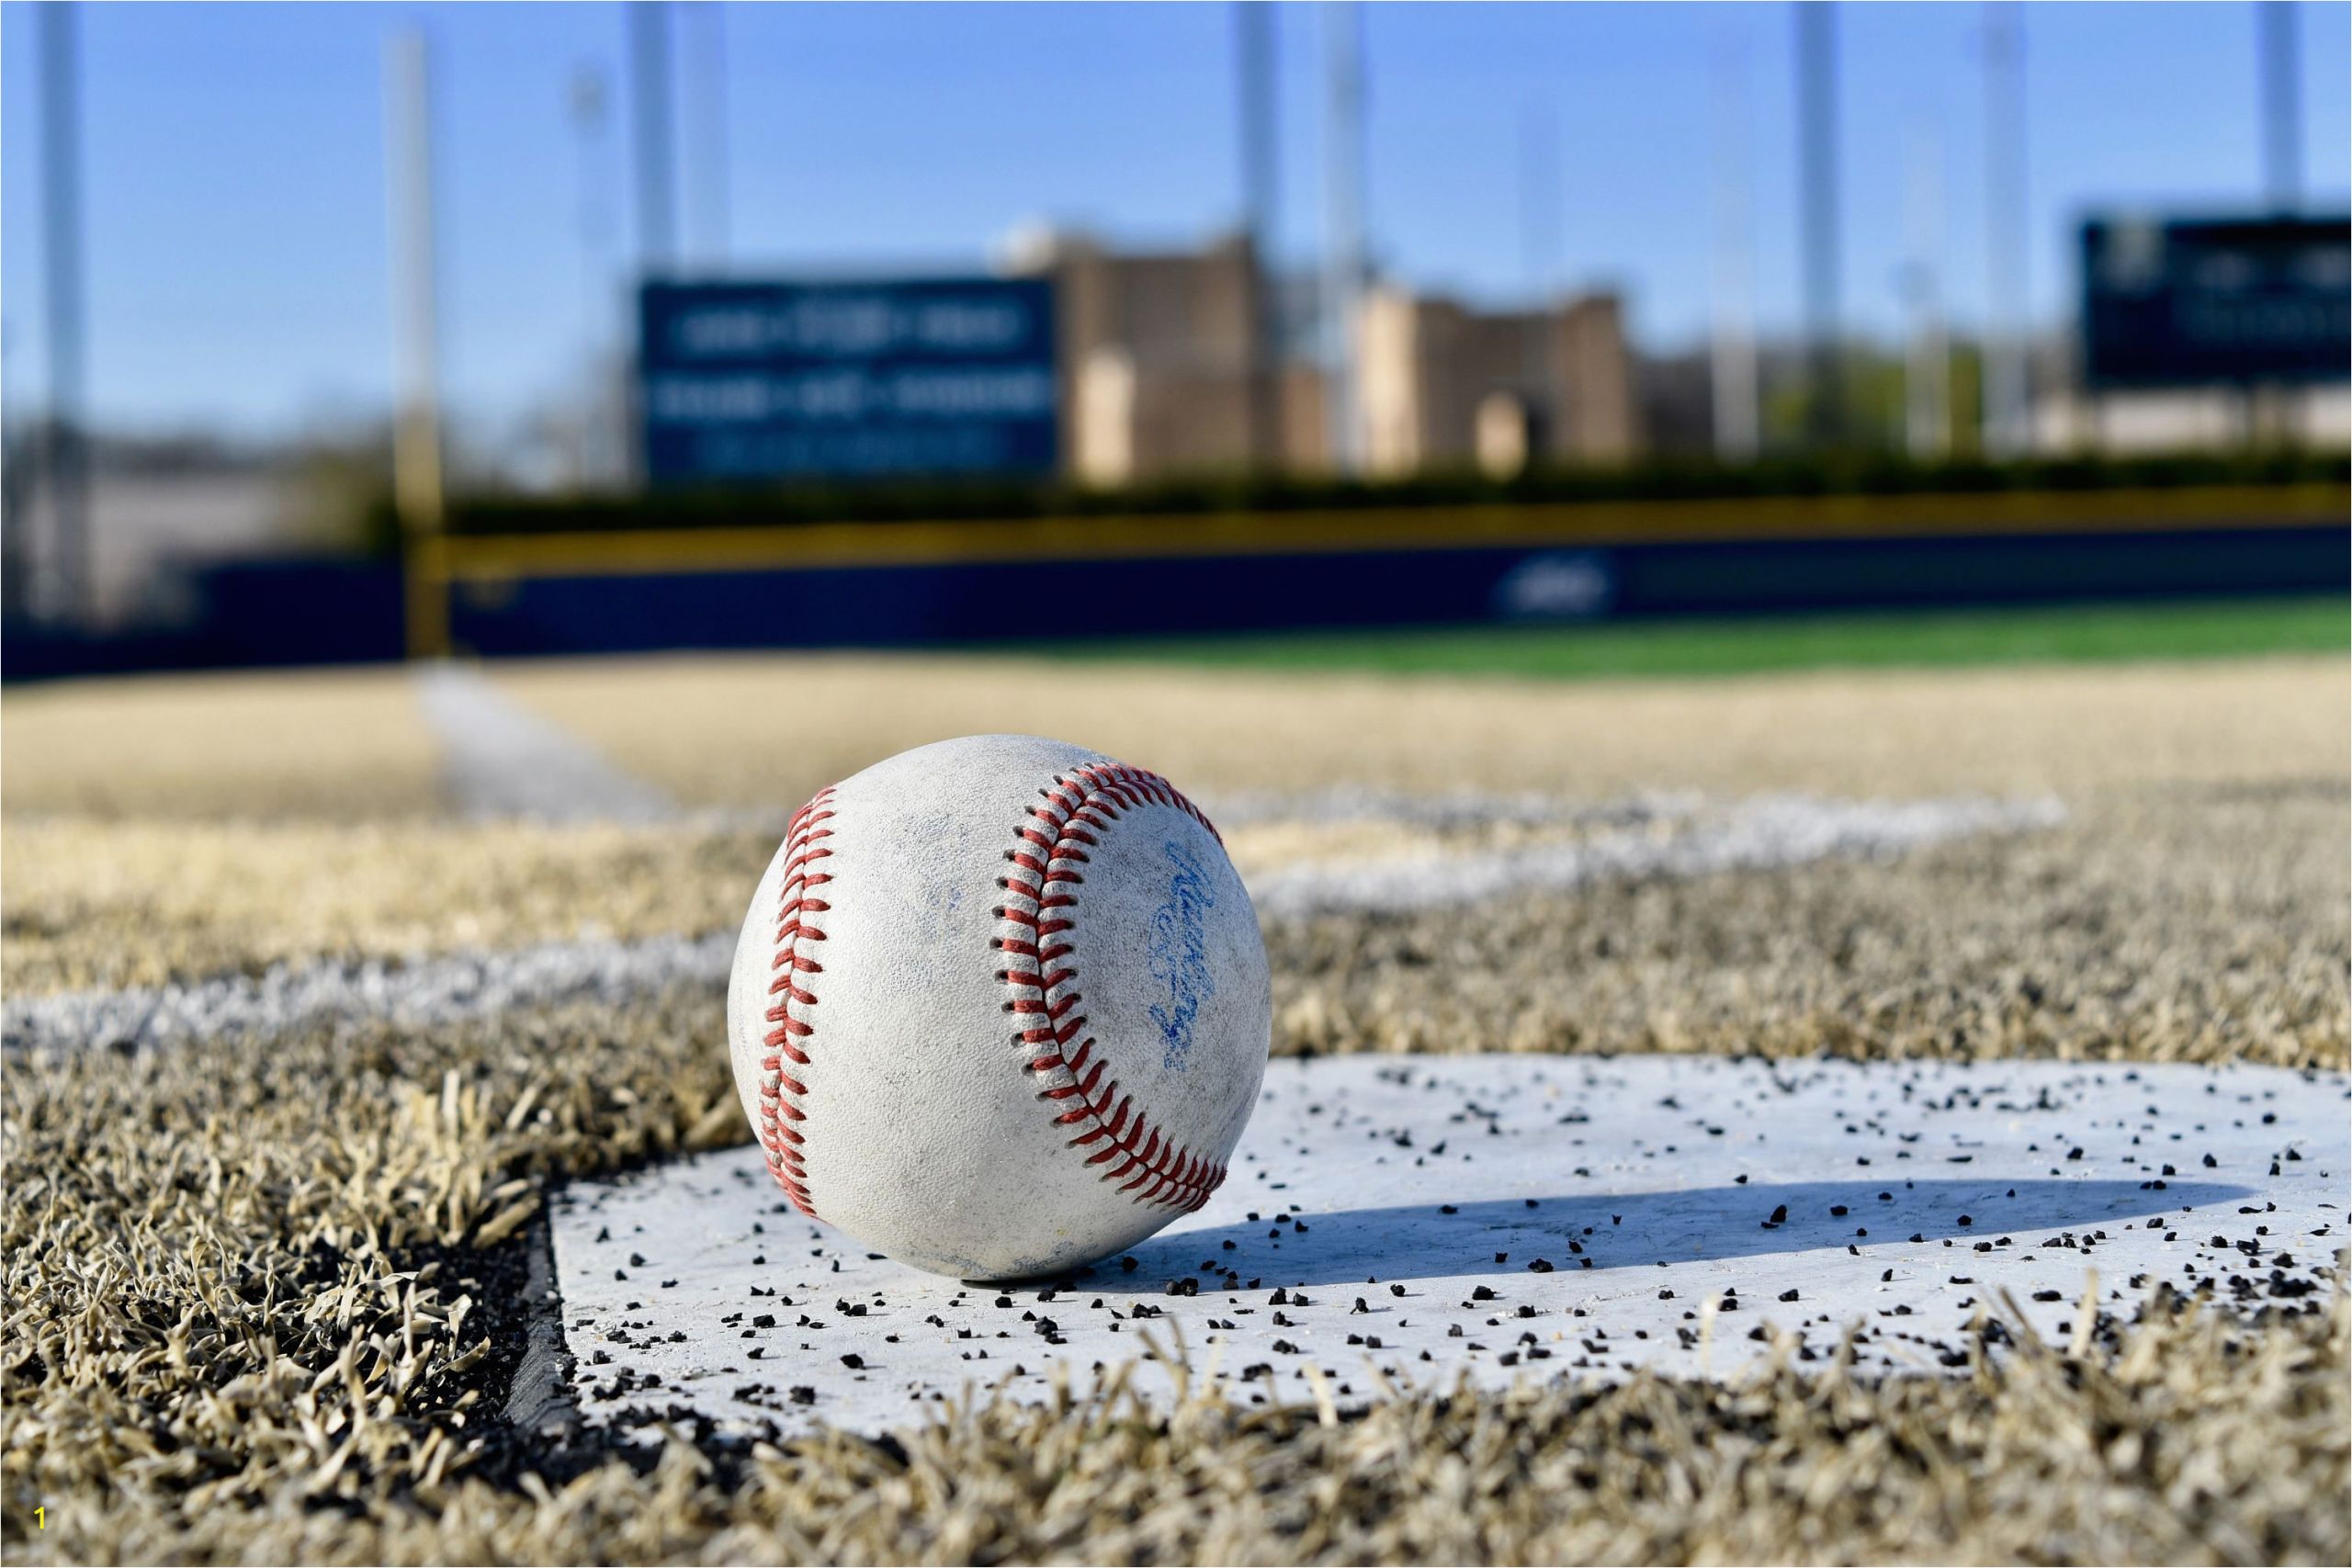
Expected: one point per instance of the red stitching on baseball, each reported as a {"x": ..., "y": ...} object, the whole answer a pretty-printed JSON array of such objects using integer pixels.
[
  {"x": 1136, "y": 1155},
  {"x": 788, "y": 1040}
]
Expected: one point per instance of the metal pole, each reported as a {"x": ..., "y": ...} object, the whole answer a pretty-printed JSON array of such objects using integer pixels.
[
  {"x": 2007, "y": 393},
  {"x": 1343, "y": 262},
  {"x": 657, "y": 230},
  {"x": 1732, "y": 362},
  {"x": 1926, "y": 375},
  {"x": 1817, "y": 201},
  {"x": 416, "y": 429},
  {"x": 65, "y": 592},
  {"x": 1261, "y": 198},
  {"x": 706, "y": 106},
  {"x": 2282, "y": 115},
  {"x": 590, "y": 103},
  {"x": 1539, "y": 203},
  {"x": 14, "y": 491}
]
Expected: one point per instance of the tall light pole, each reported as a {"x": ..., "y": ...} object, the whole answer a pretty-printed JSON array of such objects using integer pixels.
[
  {"x": 416, "y": 420},
  {"x": 2282, "y": 115},
  {"x": 1253, "y": 39},
  {"x": 705, "y": 73},
  {"x": 1343, "y": 257},
  {"x": 14, "y": 561},
  {"x": 2269, "y": 408},
  {"x": 657, "y": 222},
  {"x": 1732, "y": 355},
  {"x": 1540, "y": 222},
  {"x": 590, "y": 104},
  {"x": 1927, "y": 375},
  {"x": 64, "y": 587},
  {"x": 2007, "y": 390},
  {"x": 1818, "y": 205}
]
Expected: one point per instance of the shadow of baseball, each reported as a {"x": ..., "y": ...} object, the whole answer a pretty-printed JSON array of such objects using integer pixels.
[{"x": 1609, "y": 1230}]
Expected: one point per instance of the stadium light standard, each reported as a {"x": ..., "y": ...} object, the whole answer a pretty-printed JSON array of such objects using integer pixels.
[
  {"x": 1343, "y": 260},
  {"x": 1541, "y": 223},
  {"x": 703, "y": 58},
  {"x": 1732, "y": 355},
  {"x": 2269, "y": 406},
  {"x": 590, "y": 104},
  {"x": 417, "y": 421},
  {"x": 1927, "y": 375},
  {"x": 2282, "y": 113},
  {"x": 62, "y": 589},
  {"x": 1539, "y": 242},
  {"x": 14, "y": 491},
  {"x": 1253, "y": 25},
  {"x": 2007, "y": 392},
  {"x": 649, "y": 51},
  {"x": 1818, "y": 205}
]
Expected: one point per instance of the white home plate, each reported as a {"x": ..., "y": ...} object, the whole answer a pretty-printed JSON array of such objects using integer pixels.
[{"x": 1507, "y": 1217}]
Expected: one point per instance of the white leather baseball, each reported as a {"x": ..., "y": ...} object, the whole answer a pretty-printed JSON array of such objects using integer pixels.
[{"x": 1000, "y": 1006}]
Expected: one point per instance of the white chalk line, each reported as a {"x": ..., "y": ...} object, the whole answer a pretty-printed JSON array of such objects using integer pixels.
[
  {"x": 1760, "y": 833},
  {"x": 1678, "y": 841},
  {"x": 449, "y": 988},
  {"x": 500, "y": 759}
]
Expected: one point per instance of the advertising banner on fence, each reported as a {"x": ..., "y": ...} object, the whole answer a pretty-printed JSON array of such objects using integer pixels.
[{"x": 745, "y": 382}]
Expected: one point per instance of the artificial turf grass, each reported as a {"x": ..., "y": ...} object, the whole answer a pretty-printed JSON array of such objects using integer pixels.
[
  {"x": 91, "y": 903},
  {"x": 239, "y": 1277},
  {"x": 2187, "y": 922},
  {"x": 332, "y": 743},
  {"x": 2166, "y": 924},
  {"x": 765, "y": 731},
  {"x": 1734, "y": 645},
  {"x": 247, "y": 1304},
  {"x": 236, "y": 1276}
]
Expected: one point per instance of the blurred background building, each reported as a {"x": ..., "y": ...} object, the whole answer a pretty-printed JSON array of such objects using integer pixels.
[
  {"x": 1449, "y": 386},
  {"x": 1160, "y": 356},
  {"x": 1167, "y": 354}
]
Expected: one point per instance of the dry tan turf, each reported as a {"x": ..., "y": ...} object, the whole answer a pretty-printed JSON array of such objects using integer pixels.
[
  {"x": 103, "y": 903},
  {"x": 339, "y": 745},
  {"x": 2199, "y": 923},
  {"x": 256, "y": 1299},
  {"x": 2195, "y": 923},
  {"x": 106, "y": 904},
  {"x": 770, "y": 731},
  {"x": 262, "y": 1301}
]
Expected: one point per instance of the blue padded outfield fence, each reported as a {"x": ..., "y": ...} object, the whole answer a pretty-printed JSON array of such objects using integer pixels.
[
  {"x": 889, "y": 584},
  {"x": 893, "y": 584}
]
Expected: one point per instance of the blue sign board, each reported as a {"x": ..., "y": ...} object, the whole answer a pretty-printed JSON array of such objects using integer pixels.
[
  {"x": 740, "y": 382},
  {"x": 2178, "y": 302}
]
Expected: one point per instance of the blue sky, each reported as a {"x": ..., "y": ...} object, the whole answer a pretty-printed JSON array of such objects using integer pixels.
[{"x": 234, "y": 161}]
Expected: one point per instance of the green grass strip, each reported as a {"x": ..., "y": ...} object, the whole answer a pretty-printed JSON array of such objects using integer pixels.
[{"x": 1723, "y": 646}]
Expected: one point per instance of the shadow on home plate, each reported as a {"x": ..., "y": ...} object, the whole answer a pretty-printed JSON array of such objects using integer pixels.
[
  {"x": 1645, "y": 1229},
  {"x": 695, "y": 1274}
]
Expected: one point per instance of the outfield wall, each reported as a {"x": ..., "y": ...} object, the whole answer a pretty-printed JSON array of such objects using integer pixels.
[{"x": 913, "y": 584}]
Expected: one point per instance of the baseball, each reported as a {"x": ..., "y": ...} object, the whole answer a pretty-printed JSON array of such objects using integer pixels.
[{"x": 1000, "y": 1006}]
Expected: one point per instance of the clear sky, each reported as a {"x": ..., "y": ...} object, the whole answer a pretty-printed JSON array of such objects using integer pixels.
[{"x": 236, "y": 208}]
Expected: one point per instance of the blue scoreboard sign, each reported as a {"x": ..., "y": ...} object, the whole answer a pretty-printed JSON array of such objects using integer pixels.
[
  {"x": 2177, "y": 302},
  {"x": 740, "y": 382}
]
